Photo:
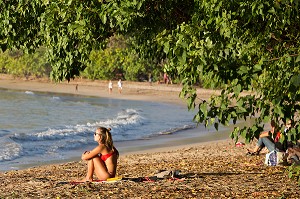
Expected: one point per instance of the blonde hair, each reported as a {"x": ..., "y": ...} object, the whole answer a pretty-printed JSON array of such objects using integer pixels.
[{"x": 105, "y": 137}]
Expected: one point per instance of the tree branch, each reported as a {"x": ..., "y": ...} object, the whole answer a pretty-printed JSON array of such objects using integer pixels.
[{"x": 277, "y": 58}]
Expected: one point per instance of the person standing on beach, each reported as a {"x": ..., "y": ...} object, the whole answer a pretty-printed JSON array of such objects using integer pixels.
[
  {"x": 120, "y": 86},
  {"x": 110, "y": 86},
  {"x": 150, "y": 79},
  {"x": 166, "y": 78},
  {"x": 102, "y": 160}
]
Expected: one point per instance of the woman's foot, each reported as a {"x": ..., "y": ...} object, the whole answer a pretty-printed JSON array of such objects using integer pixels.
[{"x": 85, "y": 180}]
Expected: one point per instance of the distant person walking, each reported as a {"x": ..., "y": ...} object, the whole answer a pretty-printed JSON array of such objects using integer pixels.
[
  {"x": 166, "y": 78},
  {"x": 120, "y": 86},
  {"x": 110, "y": 86},
  {"x": 150, "y": 79}
]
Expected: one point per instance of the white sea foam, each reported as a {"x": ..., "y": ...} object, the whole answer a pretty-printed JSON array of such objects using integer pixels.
[
  {"x": 55, "y": 98},
  {"x": 174, "y": 130},
  {"x": 9, "y": 151},
  {"x": 124, "y": 120},
  {"x": 43, "y": 128},
  {"x": 29, "y": 92}
]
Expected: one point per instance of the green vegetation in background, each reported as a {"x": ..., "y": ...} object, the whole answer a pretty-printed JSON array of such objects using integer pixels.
[
  {"x": 25, "y": 65},
  {"x": 114, "y": 62},
  {"x": 118, "y": 60}
]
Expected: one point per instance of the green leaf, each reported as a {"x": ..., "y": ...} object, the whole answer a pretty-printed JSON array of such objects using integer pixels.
[
  {"x": 166, "y": 47},
  {"x": 237, "y": 89},
  {"x": 103, "y": 18},
  {"x": 272, "y": 10},
  {"x": 278, "y": 110},
  {"x": 216, "y": 125},
  {"x": 257, "y": 67},
  {"x": 203, "y": 109},
  {"x": 295, "y": 80},
  {"x": 183, "y": 58},
  {"x": 243, "y": 70}
]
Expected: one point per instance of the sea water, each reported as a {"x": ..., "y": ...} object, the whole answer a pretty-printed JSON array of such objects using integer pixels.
[{"x": 37, "y": 127}]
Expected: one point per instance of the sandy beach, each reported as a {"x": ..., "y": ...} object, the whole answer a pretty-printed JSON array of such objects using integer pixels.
[
  {"x": 131, "y": 90},
  {"x": 211, "y": 169}
]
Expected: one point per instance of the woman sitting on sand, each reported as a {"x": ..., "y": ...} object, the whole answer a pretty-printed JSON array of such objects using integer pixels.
[
  {"x": 269, "y": 139},
  {"x": 102, "y": 159}
]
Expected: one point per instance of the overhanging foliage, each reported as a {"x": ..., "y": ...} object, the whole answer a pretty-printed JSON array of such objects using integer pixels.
[{"x": 252, "y": 47}]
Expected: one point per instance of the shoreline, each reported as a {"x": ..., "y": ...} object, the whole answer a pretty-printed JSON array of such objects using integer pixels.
[
  {"x": 160, "y": 143},
  {"x": 215, "y": 168},
  {"x": 140, "y": 91}
]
